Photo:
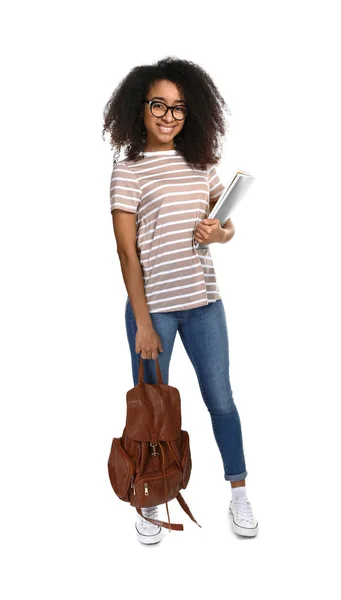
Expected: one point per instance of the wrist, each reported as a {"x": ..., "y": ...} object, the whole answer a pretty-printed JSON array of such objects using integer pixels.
[
  {"x": 224, "y": 236},
  {"x": 144, "y": 324}
]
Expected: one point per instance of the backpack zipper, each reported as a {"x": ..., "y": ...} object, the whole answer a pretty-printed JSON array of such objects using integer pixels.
[{"x": 151, "y": 478}]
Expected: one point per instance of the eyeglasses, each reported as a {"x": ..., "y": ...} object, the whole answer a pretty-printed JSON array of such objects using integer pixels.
[{"x": 160, "y": 109}]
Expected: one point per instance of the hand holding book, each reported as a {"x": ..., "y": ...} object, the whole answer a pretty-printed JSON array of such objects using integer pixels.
[
  {"x": 226, "y": 203},
  {"x": 209, "y": 231}
]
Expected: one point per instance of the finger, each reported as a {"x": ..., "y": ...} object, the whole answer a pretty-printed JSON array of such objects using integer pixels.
[
  {"x": 203, "y": 228},
  {"x": 199, "y": 232}
]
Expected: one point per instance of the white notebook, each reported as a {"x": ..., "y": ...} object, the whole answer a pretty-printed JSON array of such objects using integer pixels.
[{"x": 229, "y": 198}]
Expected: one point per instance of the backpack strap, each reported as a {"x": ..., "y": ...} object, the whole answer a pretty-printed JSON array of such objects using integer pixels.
[
  {"x": 185, "y": 507},
  {"x": 172, "y": 526},
  {"x": 176, "y": 526}
]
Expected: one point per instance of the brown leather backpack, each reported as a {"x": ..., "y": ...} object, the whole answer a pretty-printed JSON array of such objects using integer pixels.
[{"x": 151, "y": 462}]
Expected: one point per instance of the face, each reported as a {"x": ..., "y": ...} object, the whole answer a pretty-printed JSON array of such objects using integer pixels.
[{"x": 161, "y": 131}]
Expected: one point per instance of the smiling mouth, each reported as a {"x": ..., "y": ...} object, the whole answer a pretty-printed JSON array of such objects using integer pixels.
[{"x": 166, "y": 129}]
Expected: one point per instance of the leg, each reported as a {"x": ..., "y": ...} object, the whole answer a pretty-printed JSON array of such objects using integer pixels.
[
  {"x": 204, "y": 336},
  {"x": 166, "y": 325}
]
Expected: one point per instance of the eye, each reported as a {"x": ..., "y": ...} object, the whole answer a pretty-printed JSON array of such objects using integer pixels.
[{"x": 180, "y": 110}]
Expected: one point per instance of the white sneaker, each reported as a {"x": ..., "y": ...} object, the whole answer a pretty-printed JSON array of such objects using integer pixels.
[
  {"x": 244, "y": 521},
  {"x": 148, "y": 533}
]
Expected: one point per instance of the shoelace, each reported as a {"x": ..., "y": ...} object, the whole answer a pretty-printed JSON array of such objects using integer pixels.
[
  {"x": 243, "y": 509},
  {"x": 151, "y": 512}
]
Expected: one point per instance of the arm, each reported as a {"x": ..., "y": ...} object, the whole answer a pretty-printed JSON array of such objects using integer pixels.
[
  {"x": 125, "y": 196},
  {"x": 125, "y": 233}
]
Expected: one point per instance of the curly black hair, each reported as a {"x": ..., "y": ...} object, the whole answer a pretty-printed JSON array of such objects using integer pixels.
[{"x": 200, "y": 139}]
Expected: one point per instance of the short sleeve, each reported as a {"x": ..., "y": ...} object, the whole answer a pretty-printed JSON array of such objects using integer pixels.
[
  {"x": 216, "y": 186},
  {"x": 125, "y": 192}
]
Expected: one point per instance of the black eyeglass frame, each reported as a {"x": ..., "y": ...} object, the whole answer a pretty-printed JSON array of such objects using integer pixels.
[{"x": 171, "y": 108}]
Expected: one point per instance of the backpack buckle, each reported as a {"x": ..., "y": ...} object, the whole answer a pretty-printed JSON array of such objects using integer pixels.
[{"x": 154, "y": 453}]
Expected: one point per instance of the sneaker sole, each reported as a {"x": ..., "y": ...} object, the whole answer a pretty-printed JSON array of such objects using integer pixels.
[
  {"x": 149, "y": 539},
  {"x": 246, "y": 531}
]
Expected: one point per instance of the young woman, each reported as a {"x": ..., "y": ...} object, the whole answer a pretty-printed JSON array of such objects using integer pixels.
[{"x": 169, "y": 116}]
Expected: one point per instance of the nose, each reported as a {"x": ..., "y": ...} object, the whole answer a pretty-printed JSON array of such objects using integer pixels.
[{"x": 168, "y": 117}]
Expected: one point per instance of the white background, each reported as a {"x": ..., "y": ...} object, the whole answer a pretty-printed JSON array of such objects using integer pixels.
[{"x": 65, "y": 357}]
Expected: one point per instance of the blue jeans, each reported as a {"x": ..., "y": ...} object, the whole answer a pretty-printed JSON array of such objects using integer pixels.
[{"x": 203, "y": 332}]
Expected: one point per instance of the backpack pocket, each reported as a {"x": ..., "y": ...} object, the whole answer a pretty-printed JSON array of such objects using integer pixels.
[
  {"x": 186, "y": 460},
  {"x": 149, "y": 490},
  {"x": 121, "y": 470}
]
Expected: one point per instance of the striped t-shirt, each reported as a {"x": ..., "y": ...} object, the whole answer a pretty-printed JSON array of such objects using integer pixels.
[{"x": 169, "y": 198}]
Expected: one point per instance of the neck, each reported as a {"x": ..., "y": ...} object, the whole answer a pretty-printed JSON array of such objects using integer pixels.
[
  {"x": 158, "y": 147},
  {"x": 152, "y": 144}
]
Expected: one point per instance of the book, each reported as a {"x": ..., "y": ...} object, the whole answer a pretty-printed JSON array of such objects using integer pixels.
[{"x": 229, "y": 198}]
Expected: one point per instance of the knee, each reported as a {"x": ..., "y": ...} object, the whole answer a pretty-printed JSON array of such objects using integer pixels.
[
  {"x": 222, "y": 405},
  {"x": 223, "y": 410}
]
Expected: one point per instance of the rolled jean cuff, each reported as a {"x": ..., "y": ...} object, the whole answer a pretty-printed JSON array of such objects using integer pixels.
[{"x": 239, "y": 477}]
